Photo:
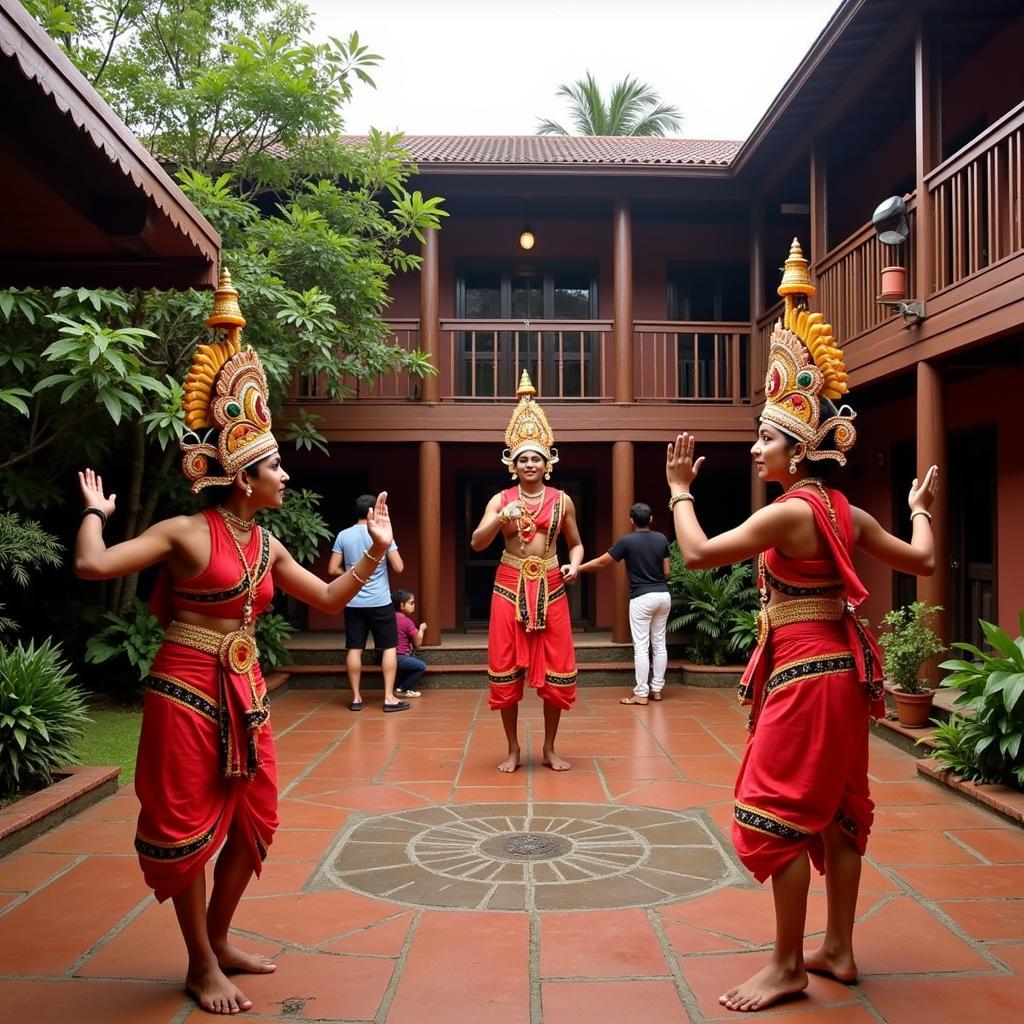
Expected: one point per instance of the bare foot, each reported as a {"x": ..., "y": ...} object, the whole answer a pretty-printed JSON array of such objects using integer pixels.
[
  {"x": 231, "y": 958},
  {"x": 633, "y": 700},
  {"x": 556, "y": 763},
  {"x": 840, "y": 966},
  {"x": 768, "y": 986},
  {"x": 511, "y": 763},
  {"x": 214, "y": 993}
]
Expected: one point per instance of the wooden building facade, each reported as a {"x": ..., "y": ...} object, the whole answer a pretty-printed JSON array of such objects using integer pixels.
[{"x": 645, "y": 304}]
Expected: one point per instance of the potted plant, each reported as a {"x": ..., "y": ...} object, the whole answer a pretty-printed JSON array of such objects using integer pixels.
[{"x": 908, "y": 641}]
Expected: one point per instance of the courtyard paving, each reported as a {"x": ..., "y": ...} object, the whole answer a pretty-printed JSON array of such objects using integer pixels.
[{"x": 412, "y": 884}]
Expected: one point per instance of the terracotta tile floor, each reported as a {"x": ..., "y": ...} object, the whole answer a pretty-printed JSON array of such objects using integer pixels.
[{"x": 396, "y": 893}]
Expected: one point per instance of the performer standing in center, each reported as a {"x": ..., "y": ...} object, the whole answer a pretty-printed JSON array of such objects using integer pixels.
[
  {"x": 814, "y": 677},
  {"x": 529, "y": 639}
]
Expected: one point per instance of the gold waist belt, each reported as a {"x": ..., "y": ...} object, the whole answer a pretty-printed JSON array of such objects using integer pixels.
[
  {"x": 533, "y": 567},
  {"x": 805, "y": 609},
  {"x": 236, "y": 650}
]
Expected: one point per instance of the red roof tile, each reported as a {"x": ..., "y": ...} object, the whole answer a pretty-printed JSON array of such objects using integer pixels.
[{"x": 570, "y": 150}]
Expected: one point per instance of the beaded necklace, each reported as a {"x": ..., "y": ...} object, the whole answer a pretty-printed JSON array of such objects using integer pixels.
[
  {"x": 249, "y": 585},
  {"x": 236, "y": 521},
  {"x": 526, "y": 524}
]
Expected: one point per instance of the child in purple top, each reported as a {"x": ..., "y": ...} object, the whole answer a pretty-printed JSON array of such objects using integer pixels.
[{"x": 410, "y": 636}]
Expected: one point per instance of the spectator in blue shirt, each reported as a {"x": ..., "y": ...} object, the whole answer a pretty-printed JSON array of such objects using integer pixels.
[{"x": 371, "y": 610}]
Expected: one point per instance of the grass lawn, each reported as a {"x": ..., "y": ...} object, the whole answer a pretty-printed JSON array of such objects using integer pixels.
[{"x": 112, "y": 737}]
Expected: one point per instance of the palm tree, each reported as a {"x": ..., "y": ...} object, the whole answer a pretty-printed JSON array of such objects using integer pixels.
[{"x": 632, "y": 109}]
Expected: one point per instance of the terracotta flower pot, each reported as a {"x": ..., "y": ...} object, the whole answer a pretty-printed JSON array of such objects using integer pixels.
[
  {"x": 894, "y": 283},
  {"x": 913, "y": 709}
]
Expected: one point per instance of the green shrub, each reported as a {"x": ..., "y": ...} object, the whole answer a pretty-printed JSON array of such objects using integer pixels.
[
  {"x": 41, "y": 715},
  {"x": 271, "y": 632},
  {"x": 908, "y": 641},
  {"x": 298, "y": 525},
  {"x": 24, "y": 545},
  {"x": 986, "y": 745},
  {"x": 718, "y": 604},
  {"x": 136, "y": 636}
]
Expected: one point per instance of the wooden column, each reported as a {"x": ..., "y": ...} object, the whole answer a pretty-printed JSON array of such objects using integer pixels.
[
  {"x": 430, "y": 313},
  {"x": 758, "y": 360},
  {"x": 622, "y": 288},
  {"x": 926, "y": 154},
  {"x": 622, "y": 498},
  {"x": 428, "y": 602},
  {"x": 931, "y": 451},
  {"x": 819, "y": 203}
]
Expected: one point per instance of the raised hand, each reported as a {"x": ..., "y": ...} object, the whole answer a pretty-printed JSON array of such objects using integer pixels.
[
  {"x": 922, "y": 495},
  {"x": 92, "y": 492},
  {"x": 511, "y": 510},
  {"x": 378, "y": 521},
  {"x": 680, "y": 467}
]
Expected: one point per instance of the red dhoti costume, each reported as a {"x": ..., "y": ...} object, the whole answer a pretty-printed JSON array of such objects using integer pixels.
[
  {"x": 529, "y": 639},
  {"x": 813, "y": 680},
  {"x": 206, "y": 765}
]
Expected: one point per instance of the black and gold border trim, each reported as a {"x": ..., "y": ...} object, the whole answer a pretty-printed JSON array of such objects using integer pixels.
[
  {"x": 764, "y": 821},
  {"x": 182, "y": 693}
]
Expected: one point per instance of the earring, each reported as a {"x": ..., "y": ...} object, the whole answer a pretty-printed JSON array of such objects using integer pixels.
[
  {"x": 248, "y": 489},
  {"x": 792, "y": 466},
  {"x": 547, "y": 475}
]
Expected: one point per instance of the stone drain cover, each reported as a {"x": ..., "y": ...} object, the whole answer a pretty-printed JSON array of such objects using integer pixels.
[{"x": 530, "y": 857}]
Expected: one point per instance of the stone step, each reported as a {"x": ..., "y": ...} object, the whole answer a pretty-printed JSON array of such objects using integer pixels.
[{"x": 598, "y": 673}]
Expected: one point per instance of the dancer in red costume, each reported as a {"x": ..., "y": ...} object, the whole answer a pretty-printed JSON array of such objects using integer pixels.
[
  {"x": 814, "y": 678},
  {"x": 206, "y": 772},
  {"x": 529, "y": 639}
]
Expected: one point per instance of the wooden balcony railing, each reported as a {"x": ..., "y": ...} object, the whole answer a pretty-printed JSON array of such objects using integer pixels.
[
  {"x": 849, "y": 279},
  {"x": 976, "y": 202},
  {"x": 387, "y": 387},
  {"x": 691, "y": 362},
  {"x": 485, "y": 358}
]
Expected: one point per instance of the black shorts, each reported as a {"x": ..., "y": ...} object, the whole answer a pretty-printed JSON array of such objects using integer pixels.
[{"x": 361, "y": 622}]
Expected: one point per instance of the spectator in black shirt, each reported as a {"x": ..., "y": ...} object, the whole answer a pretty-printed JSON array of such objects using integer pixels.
[{"x": 647, "y": 563}]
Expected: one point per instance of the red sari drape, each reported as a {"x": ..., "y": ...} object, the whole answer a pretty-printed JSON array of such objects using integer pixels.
[{"x": 813, "y": 686}]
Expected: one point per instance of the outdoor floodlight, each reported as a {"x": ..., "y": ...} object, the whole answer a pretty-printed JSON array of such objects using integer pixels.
[
  {"x": 890, "y": 221},
  {"x": 526, "y": 239}
]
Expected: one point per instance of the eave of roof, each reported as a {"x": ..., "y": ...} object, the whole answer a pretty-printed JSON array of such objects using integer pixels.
[{"x": 40, "y": 60}]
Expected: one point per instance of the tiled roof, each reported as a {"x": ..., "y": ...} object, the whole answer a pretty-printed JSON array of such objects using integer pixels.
[{"x": 570, "y": 150}]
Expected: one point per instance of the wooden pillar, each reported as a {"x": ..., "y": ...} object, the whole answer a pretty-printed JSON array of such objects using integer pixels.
[
  {"x": 927, "y": 150},
  {"x": 819, "y": 203},
  {"x": 931, "y": 451},
  {"x": 758, "y": 360},
  {"x": 429, "y": 313},
  {"x": 428, "y": 603},
  {"x": 622, "y": 498},
  {"x": 622, "y": 288}
]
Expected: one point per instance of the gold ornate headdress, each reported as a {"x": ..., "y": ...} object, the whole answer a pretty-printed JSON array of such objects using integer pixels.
[
  {"x": 225, "y": 399},
  {"x": 528, "y": 429},
  {"x": 806, "y": 371}
]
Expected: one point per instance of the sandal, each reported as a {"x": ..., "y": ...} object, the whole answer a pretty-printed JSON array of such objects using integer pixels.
[
  {"x": 633, "y": 700},
  {"x": 408, "y": 693},
  {"x": 356, "y": 705}
]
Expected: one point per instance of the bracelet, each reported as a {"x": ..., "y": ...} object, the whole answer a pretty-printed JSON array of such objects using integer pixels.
[
  {"x": 92, "y": 510},
  {"x": 920, "y": 512},
  {"x": 367, "y": 554},
  {"x": 502, "y": 518},
  {"x": 676, "y": 498},
  {"x": 362, "y": 582}
]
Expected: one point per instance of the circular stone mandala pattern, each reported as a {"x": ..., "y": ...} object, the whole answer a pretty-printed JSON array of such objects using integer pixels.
[{"x": 537, "y": 857}]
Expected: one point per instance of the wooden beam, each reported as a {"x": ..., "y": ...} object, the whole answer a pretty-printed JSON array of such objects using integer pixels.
[
  {"x": 430, "y": 540},
  {"x": 622, "y": 497},
  {"x": 622, "y": 288},
  {"x": 932, "y": 451},
  {"x": 430, "y": 299},
  {"x": 819, "y": 201},
  {"x": 927, "y": 151}
]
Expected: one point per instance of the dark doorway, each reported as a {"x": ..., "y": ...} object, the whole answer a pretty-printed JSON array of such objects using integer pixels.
[
  {"x": 972, "y": 532},
  {"x": 475, "y": 579}
]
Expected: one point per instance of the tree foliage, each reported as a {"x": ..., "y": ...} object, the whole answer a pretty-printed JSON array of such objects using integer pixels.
[
  {"x": 632, "y": 108},
  {"x": 246, "y": 113}
]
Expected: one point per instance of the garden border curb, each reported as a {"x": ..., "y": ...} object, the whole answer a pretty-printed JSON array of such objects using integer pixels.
[
  {"x": 80, "y": 787},
  {"x": 1006, "y": 802}
]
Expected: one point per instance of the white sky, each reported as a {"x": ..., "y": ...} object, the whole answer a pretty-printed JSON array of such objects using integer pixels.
[{"x": 491, "y": 67}]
